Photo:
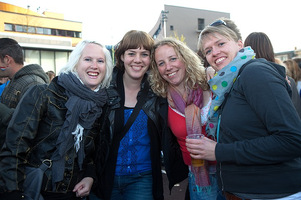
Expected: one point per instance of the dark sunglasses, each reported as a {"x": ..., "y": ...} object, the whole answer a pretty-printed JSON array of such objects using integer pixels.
[{"x": 218, "y": 23}]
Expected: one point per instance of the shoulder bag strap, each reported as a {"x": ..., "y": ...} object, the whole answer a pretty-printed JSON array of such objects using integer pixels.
[{"x": 135, "y": 112}]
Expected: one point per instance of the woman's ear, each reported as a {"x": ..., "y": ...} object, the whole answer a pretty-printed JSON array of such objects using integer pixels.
[{"x": 240, "y": 44}]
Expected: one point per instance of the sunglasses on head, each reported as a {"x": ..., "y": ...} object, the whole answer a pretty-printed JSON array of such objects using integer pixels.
[{"x": 218, "y": 23}]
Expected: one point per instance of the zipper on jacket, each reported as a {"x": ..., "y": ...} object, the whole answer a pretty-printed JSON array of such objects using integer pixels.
[
  {"x": 220, "y": 175},
  {"x": 217, "y": 139}
]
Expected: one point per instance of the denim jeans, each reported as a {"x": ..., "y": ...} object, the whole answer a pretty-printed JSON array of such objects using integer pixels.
[
  {"x": 198, "y": 194},
  {"x": 220, "y": 195},
  {"x": 133, "y": 187}
]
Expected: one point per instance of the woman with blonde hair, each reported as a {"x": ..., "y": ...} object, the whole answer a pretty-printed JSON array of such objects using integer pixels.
[
  {"x": 178, "y": 75},
  {"x": 255, "y": 122},
  {"x": 48, "y": 151}
]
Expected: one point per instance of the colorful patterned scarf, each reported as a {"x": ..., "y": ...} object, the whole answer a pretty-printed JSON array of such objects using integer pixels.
[
  {"x": 190, "y": 106},
  {"x": 221, "y": 84}
]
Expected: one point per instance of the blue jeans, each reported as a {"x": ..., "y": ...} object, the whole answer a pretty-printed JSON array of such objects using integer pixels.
[
  {"x": 199, "y": 194},
  {"x": 220, "y": 195},
  {"x": 133, "y": 187}
]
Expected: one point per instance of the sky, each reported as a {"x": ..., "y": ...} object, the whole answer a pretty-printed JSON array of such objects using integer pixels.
[{"x": 108, "y": 20}]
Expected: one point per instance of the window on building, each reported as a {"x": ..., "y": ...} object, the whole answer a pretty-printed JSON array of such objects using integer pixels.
[
  {"x": 54, "y": 32},
  {"x": 61, "y": 58},
  {"x": 20, "y": 28},
  {"x": 46, "y": 31},
  {"x": 62, "y": 32},
  {"x": 31, "y": 29},
  {"x": 40, "y": 30},
  {"x": 201, "y": 24},
  {"x": 47, "y": 60},
  {"x": 70, "y": 33},
  {"x": 8, "y": 27},
  {"x": 32, "y": 56},
  {"x": 171, "y": 28}
]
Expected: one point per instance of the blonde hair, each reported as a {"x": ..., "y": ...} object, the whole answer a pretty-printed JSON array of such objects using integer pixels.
[
  {"x": 226, "y": 28},
  {"x": 76, "y": 54},
  {"x": 195, "y": 72}
]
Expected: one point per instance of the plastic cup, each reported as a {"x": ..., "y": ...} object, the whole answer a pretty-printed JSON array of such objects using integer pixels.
[{"x": 196, "y": 162}]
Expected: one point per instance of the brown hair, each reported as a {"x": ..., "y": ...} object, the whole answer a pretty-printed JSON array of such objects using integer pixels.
[
  {"x": 293, "y": 68},
  {"x": 261, "y": 44},
  {"x": 132, "y": 40}
]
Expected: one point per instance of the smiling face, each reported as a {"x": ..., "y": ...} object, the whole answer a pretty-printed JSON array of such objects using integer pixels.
[
  {"x": 91, "y": 67},
  {"x": 136, "y": 63},
  {"x": 219, "y": 50},
  {"x": 170, "y": 67}
]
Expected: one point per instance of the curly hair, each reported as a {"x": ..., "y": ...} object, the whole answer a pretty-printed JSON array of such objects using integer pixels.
[{"x": 195, "y": 71}]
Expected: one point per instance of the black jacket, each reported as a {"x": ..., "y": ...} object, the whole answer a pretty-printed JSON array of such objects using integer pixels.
[
  {"x": 109, "y": 145},
  {"x": 25, "y": 78},
  {"x": 175, "y": 168},
  {"x": 259, "y": 146},
  {"x": 32, "y": 136}
]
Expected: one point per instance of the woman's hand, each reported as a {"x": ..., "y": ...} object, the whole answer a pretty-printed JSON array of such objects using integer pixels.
[
  {"x": 210, "y": 72},
  {"x": 201, "y": 148},
  {"x": 83, "y": 188}
]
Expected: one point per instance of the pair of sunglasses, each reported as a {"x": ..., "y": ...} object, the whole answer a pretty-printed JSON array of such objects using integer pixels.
[{"x": 218, "y": 23}]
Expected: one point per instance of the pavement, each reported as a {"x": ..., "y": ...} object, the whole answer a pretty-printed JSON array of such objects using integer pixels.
[{"x": 177, "y": 192}]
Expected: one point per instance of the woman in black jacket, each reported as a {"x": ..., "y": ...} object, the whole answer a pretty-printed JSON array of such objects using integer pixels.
[
  {"x": 133, "y": 168},
  {"x": 258, "y": 129},
  {"x": 52, "y": 130}
]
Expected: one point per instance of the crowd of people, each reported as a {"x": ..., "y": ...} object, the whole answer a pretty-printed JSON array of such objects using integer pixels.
[{"x": 97, "y": 131}]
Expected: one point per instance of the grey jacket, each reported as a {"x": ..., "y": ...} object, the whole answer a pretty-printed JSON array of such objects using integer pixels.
[{"x": 26, "y": 77}]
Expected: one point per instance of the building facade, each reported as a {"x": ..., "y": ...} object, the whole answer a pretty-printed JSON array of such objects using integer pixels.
[
  {"x": 47, "y": 39},
  {"x": 184, "y": 23}
]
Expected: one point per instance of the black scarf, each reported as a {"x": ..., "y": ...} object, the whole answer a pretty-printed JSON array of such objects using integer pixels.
[{"x": 84, "y": 106}]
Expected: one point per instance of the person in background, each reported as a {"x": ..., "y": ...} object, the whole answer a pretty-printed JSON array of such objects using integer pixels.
[
  {"x": 257, "y": 128},
  {"x": 263, "y": 48},
  {"x": 133, "y": 168},
  {"x": 298, "y": 60},
  {"x": 295, "y": 72},
  {"x": 3, "y": 83},
  {"x": 50, "y": 75},
  {"x": 178, "y": 75},
  {"x": 54, "y": 124},
  {"x": 21, "y": 79}
]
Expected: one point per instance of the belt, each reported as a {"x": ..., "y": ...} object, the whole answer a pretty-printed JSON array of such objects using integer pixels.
[{"x": 230, "y": 196}]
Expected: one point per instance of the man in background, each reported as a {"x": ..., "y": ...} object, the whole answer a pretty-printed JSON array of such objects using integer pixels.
[{"x": 21, "y": 79}]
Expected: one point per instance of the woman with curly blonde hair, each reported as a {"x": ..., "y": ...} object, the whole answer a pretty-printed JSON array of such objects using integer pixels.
[
  {"x": 195, "y": 72},
  {"x": 178, "y": 75}
]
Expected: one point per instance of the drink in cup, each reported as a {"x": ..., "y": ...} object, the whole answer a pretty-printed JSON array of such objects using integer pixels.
[{"x": 196, "y": 162}]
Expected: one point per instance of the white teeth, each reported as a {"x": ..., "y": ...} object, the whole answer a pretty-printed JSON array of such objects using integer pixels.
[
  {"x": 172, "y": 74},
  {"x": 136, "y": 67},
  {"x": 92, "y": 74},
  {"x": 219, "y": 60}
]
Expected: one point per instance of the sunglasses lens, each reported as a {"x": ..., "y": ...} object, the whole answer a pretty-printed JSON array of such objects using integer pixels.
[{"x": 218, "y": 23}]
